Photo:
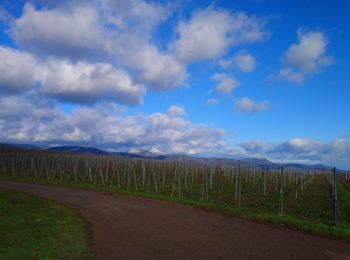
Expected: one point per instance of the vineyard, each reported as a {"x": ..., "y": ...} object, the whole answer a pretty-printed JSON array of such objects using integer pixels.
[{"x": 319, "y": 196}]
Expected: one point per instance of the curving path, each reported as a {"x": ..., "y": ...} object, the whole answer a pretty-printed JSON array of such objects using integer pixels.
[{"x": 130, "y": 227}]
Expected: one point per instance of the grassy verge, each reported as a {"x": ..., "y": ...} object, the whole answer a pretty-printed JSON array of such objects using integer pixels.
[
  {"x": 295, "y": 220},
  {"x": 33, "y": 228},
  {"x": 344, "y": 202}
]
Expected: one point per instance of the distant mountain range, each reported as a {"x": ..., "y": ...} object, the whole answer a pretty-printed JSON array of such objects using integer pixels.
[{"x": 158, "y": 155}]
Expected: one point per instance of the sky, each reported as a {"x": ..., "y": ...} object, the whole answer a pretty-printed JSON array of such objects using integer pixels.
[{"x": 244, "y": 78}]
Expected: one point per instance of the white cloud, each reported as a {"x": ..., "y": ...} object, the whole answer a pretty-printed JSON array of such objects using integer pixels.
[
  {"x": 313, "y": 151},
  {"x": 88, "y": 35},
  {"x": 139, "y": 15},
  {"x": 245, "y": 62},
  {"x": 242, "y": 61},
  {"x": 105, "y": 126},
  {"x": 36, "y": 120},
  {"x": 159, "y": 71},
  {"x": 79, "y": 82},
  {"x": 176, "y": 111},
  {"x": 71, "y": 32},
  {"x": 309, "y": 54},
  {"x": 212, "y": 101},
  {"x": 340, "y": 145},
  {"x": 247, "y": 105},
  {"x": 115, "y": 32},
  {"x": 209, "y": 33},
  {"x": 304, "y": 58},
  {"x": 225, "y": 63},
  {"x": 18, "y": 71},
  {"x": 302, "y": 143},
  {"x": 301, "y": 150},
  {"x": 13, "y": 107},
  {"x": 226, "y": 83},
  {"x": 88, "y": 83},
  {"x": 290, "y": 75}
]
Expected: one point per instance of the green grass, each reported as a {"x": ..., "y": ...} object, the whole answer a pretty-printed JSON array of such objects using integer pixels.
[
  {"x": 301, "y": 216},
  {"x": 34, "y": 228},
  {"x": 344, "y": 202},
  {"x": 314, "y": 204}
]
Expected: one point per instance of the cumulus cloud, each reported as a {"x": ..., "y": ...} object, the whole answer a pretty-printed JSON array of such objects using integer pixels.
[
  {"x": 176, "y": 111},
  {"x": 225, "y": 83},
  {"x": 290, "y": 75},
  {"x": 209, "y": 33},
  {"x": 131, "y": 43},
  {"x": 120, "y": 33},
  {"x": 79, "y": 82},
  {"x": 18, "y": 71},
  {"x": 306, "y": 57},
  {"x": 88, "y": 83},
  {"x": 242, "y": 61},
  {"x": 13, "y": 108},
  {"x": 72, "y": 32},
  {"x": 159, "y": 71},
  {"x": 309, "y": 54},
  {"x": 104, "y": 125},
  {"x": 33, "y": 119},
  {"x": 212, "y": 101},
  {"x": 247, "y": 105},
  {"x": 36, "y": 120},
  {"x": 140, "y": 15},
  {"x": 103, "y": 48},
  {"x": 106, "y": 31}
]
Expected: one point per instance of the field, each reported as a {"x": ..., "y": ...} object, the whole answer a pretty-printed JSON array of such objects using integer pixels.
[
  {"x": 304, "y": 199},
  {"x": 33, "y": 228}
]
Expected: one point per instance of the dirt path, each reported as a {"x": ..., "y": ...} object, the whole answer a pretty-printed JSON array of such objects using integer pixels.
[{"x": 130, "y": 227}]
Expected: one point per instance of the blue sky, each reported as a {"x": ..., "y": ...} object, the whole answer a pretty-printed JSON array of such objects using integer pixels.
[{"x": 237, "y": 79}]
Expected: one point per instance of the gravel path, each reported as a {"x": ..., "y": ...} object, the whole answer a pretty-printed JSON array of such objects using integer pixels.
[{"x": 135, "y": 228}]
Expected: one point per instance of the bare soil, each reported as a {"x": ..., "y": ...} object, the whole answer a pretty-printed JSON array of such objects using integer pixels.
[{"x": 136, "y": 228}]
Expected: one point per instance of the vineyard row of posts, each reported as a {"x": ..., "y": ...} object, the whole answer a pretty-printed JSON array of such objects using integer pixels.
[{"x": 241, "y": 186}]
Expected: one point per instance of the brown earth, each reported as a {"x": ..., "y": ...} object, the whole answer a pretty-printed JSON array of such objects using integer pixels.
[{"x": 136, "y": 228}]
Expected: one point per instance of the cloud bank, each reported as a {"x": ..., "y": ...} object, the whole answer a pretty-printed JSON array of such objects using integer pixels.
[
  {"x": 303, "y": 150},
  {"x": 34, "y": 120}
]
